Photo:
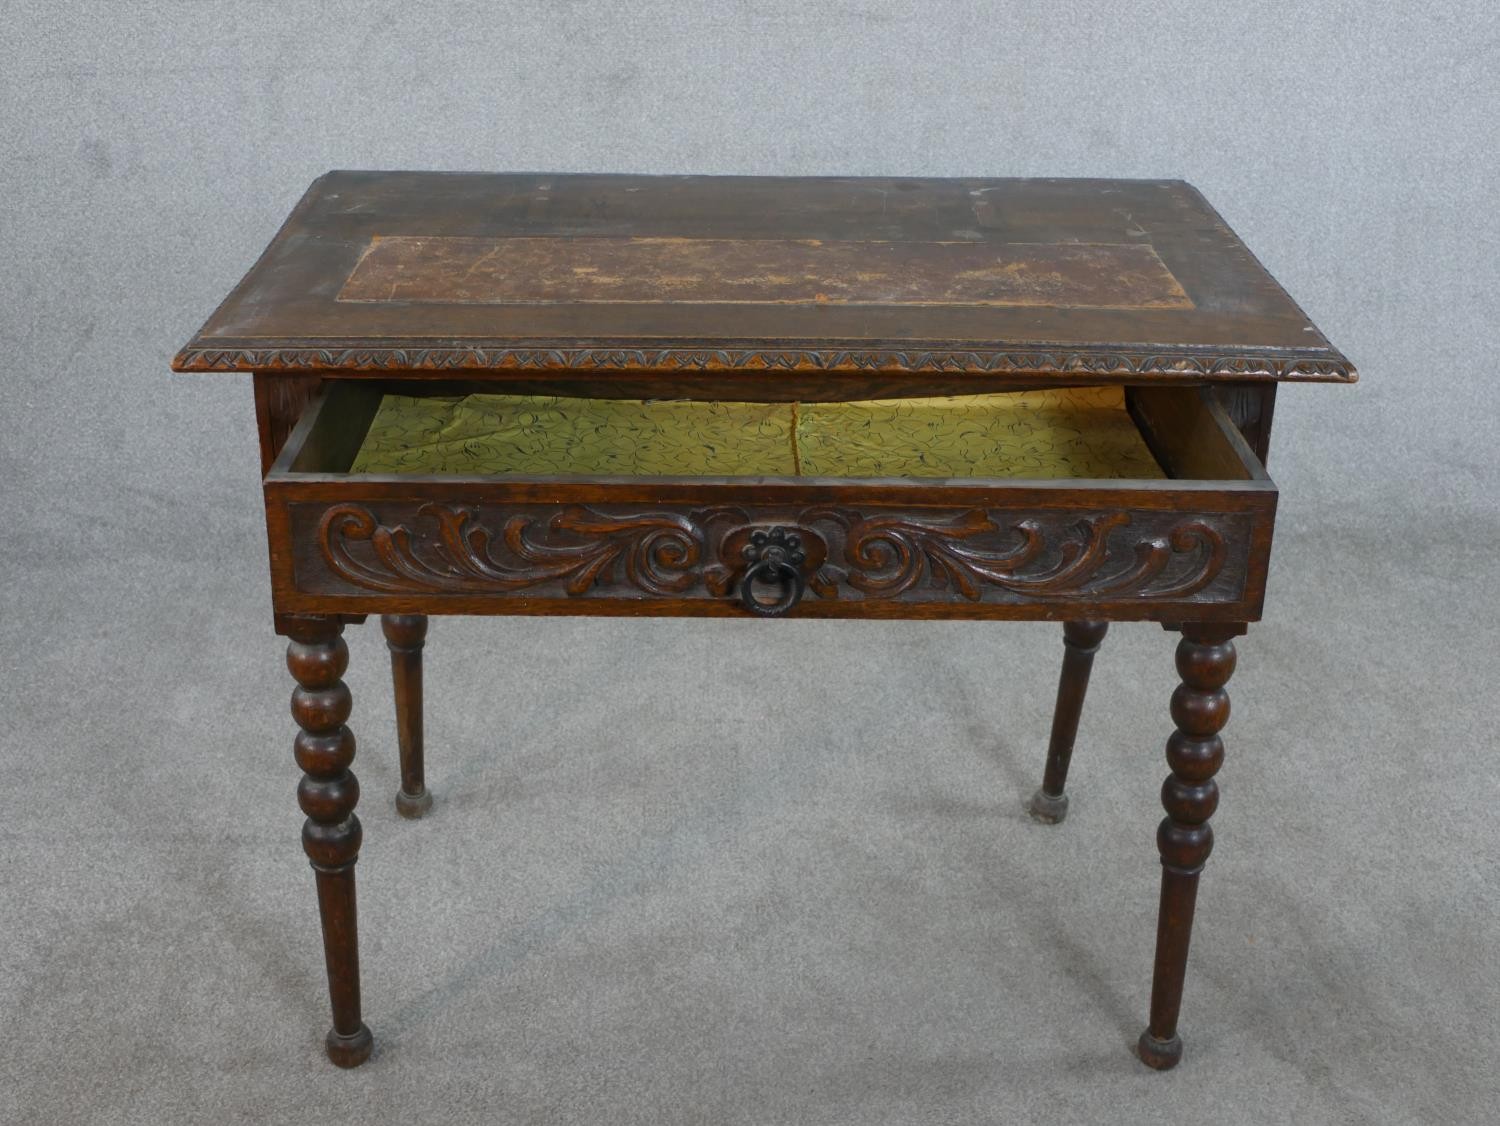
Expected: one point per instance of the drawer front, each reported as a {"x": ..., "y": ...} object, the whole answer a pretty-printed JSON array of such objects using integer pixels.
[{"x": 858, "y": 551}]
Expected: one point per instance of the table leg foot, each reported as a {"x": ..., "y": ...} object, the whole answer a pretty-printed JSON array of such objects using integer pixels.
[
  {"x": 1200, "y": 708},
  {"x": 1047, "y": 808},
  {"x": 351, "y": 1050},
  {"x": 1081, "y": 641},
  {"x": 413, "y": 806},
  {"x": 405, "y": 635},
  {"x": 1163, "y": 1055}
]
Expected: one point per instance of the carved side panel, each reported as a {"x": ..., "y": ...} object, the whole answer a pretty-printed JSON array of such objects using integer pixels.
[{"x": 853, "y": 553}]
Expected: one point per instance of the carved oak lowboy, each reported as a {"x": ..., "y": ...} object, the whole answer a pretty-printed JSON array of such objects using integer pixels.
[{"x": 879, "y": 398}]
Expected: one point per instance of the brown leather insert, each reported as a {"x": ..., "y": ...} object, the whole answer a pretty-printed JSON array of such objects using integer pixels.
[{"x": 588, "y": 270}]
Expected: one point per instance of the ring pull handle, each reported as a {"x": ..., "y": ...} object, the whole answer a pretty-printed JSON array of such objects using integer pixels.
[{"x": 775, "y": 555}]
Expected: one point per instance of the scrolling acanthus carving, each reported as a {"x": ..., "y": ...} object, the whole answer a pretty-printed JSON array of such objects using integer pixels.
[
  {"x": 888, "y": 555},
  {"x": 661, "y": 551},
  {"x": 968, "y": 553}
]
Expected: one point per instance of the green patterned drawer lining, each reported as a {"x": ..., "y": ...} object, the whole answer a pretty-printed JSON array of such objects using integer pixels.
[{"x": 1073, "y": 433}]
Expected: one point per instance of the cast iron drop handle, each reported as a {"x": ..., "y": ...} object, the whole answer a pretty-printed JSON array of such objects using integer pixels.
[{"x": 775, "y": 556}]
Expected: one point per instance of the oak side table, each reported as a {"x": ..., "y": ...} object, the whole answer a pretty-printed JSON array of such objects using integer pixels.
[{"x": 838, "y": 398}]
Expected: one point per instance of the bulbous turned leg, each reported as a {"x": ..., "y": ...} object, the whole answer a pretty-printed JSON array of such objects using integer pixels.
[
  {"x": 328, "y": 793},
  {"x": 1200, "y": 708},
  {"x": 405, "y": 634},
  {"x": 1081, "y": 641}
]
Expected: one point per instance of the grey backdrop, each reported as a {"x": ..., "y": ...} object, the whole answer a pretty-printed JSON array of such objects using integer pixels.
[{"x": 738, "y": 872}]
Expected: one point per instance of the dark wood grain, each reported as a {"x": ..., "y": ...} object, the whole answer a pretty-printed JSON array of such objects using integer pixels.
[
  {"x": 1214, "y": 313},
  {"x": 328, "y": 793},
  {"x": 1252, "y": 407},
  {"x": 760, "y": 289},
  {"x": 881, "y": 547},
  {"x": 1192, "y": 435},
  {"x": 405, "y": 635},
  {"x": 1137, "y": 563},
  {"x": 1200, "y": 708},
  {"x": 1081, "y": 641},
  {"x": 280, "y": 401}
]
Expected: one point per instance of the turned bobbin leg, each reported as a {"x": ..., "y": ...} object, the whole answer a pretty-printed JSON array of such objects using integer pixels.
[
  {"x": 405, "y": 635},
  {"x": 328, "y": 793},
  {"x": 1080, "y": 642},
  {"x": 1200, "y": 708}
]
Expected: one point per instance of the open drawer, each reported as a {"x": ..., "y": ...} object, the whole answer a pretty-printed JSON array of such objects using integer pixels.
[{"x": 403, "y": 497}]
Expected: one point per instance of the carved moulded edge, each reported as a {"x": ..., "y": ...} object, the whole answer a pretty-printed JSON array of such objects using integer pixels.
[{"x": 1023, "y": 360}]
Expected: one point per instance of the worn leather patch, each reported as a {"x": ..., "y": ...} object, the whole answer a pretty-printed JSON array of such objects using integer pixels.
[{"x": 593, "y": 270}]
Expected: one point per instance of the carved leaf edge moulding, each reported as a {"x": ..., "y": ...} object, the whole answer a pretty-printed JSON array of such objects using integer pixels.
[{"x": 1023, "y": 360}]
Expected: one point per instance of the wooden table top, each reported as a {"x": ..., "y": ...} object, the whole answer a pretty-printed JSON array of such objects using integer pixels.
[{"x": 1110, "y": 279}]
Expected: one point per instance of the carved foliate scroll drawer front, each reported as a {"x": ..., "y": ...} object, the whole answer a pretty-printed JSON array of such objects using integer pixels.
[
  {"x": 852, "y": 553},
  {"x": 713, "y": 545}
]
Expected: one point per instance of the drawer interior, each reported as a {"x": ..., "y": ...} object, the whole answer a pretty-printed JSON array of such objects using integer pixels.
[{"x": 1078, "y": 433}]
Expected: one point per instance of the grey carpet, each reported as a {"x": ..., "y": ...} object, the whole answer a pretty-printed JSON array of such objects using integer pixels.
[{"x": 742, "y": 872}]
